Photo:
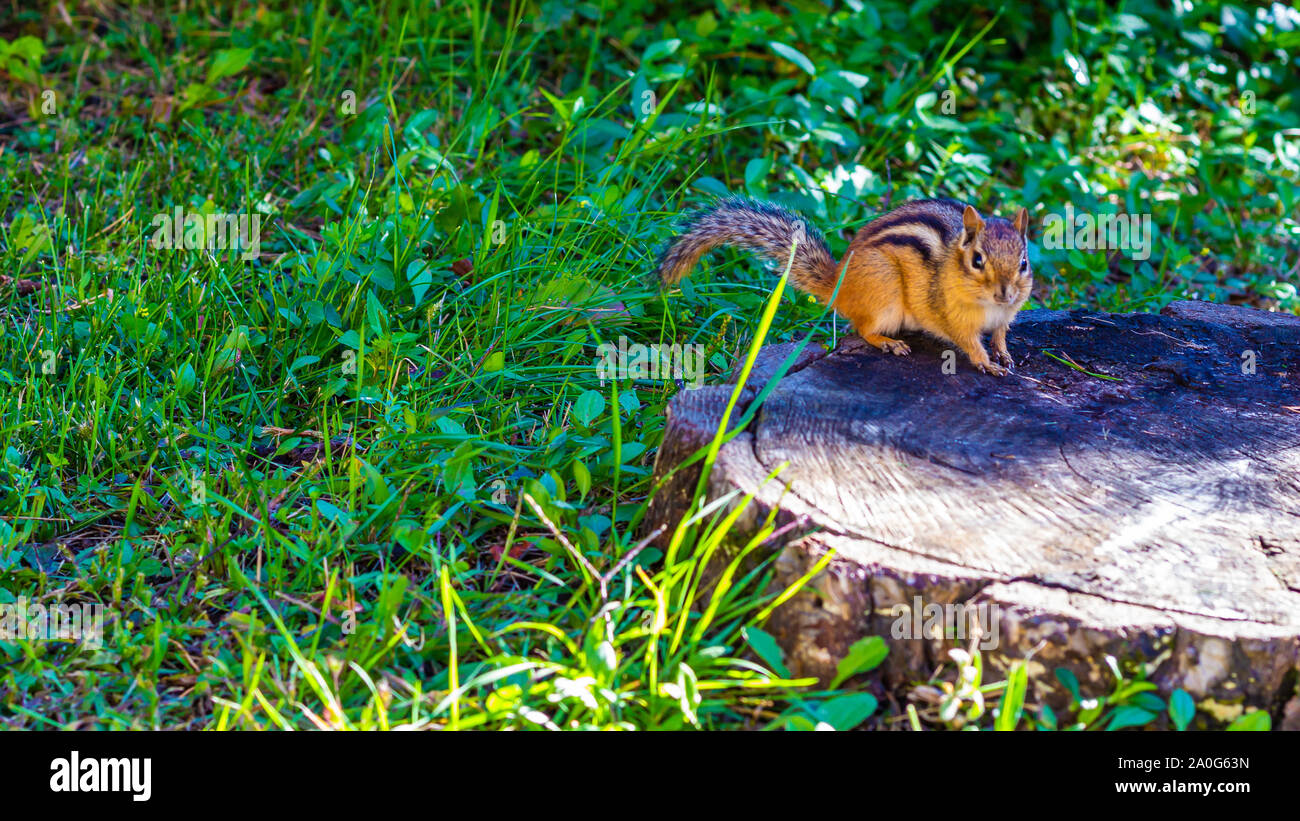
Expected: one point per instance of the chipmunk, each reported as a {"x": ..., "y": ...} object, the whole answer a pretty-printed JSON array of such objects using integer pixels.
[{"x": 932, "y": 265}]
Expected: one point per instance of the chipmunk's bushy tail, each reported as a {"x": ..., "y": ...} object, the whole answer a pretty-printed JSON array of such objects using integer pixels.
[{"x": 764, "y": 228}]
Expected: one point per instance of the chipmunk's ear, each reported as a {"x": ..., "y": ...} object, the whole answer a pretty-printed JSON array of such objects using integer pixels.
[
  {"x": 1022, "y": 223},
  {"x": 971, "y": 225}
]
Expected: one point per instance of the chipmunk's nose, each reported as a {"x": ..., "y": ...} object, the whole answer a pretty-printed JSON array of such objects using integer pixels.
[{"x": 1006, "y": 293}]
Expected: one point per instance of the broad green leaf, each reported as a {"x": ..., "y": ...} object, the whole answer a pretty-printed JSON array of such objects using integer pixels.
[
  {"x": 228, "y": 62},
  {"x": 1182, "y": 709},
  {"x": 865, "y": 654},
  {"x": 1129, "y": 717},
  {"x": 1255, "y": 721},
  {"x": 1047, "y": 717},
  {"x": 795, "y": 56},
  {"x": 420, "y": 277},
  {"x": 333, "y": 513},
  {"x": 185, "y": 379},
  {"x": 589, "y": 406},
  {"x": 662, "y": 48},
  {"x": 582, "y": 477},
  {"x": 29, "y": 47},
  {"x": 767, "y": 649},
  {"x": 1066, "y": 677},
  {"x": 1148, "y": 701},
  {"x": 847, "y": 712}
]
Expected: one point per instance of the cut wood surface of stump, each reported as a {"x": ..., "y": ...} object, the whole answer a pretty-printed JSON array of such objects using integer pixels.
[{"x": 1143, "y": 505}]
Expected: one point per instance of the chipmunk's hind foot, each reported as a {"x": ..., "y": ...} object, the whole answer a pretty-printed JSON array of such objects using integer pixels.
[{"x": 895, "y": 346}]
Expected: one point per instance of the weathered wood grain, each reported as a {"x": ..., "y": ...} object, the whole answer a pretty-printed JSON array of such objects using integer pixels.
[{"x": 1154, "y": 516}]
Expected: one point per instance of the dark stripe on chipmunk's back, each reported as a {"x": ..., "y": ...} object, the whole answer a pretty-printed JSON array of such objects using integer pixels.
[
  {"x": 906, "y": 217},
  {"x": 904, "y": 241}
]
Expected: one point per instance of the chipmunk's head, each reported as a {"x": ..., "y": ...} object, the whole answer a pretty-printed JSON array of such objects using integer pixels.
[{"x": 995, "y": 253}]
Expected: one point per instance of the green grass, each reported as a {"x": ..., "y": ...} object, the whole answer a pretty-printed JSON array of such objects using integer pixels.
[{"x": 371, "y": 478}]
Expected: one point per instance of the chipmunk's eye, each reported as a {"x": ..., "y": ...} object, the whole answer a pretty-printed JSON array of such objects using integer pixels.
[
  {"x": 977, "y": 260},
  {"x": 1024, "y": 265}
]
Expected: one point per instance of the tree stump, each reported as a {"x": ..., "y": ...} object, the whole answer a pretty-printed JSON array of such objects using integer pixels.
[{"x": 1153, "y": 516}]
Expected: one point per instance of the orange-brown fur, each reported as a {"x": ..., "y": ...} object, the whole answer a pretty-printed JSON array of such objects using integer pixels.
[{"x": 911, "y": 269}]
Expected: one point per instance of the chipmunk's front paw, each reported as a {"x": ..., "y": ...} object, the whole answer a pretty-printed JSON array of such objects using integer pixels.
[
  {"x": 990, "y": 368},
  {"x": 1003, "y": 356}
]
